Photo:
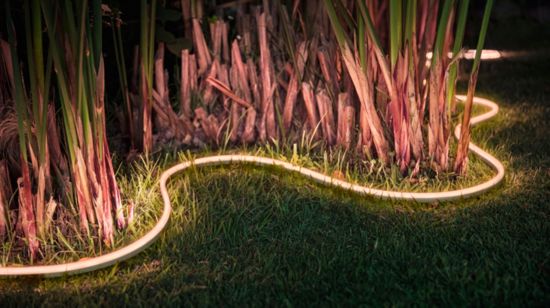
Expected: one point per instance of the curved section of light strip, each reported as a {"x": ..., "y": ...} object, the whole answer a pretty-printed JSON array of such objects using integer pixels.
[{"x": 124, "y": 253}]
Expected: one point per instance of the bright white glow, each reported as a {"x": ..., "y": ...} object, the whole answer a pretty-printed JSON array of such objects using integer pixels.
[{"x": 486, "y": 54}]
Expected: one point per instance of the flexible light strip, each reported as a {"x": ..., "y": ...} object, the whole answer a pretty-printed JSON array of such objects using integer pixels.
[
  {"x": 124, "y": 253},
  {"x": 486, "y": 54}
]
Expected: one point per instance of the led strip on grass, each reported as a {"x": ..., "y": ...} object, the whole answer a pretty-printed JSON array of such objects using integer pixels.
[{"x": 95, "y": 263}]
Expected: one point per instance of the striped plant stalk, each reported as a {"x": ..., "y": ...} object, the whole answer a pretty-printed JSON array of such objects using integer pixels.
[
  {"x": 461, "y": 162},
  {"x": 363, "y": 86},
  {"x": 146, "y": 68},
  {"x": 116, "y": 24},
  {"x": 453, "y": 70},
  {"x": 413, "y": 84},
  {"x": 438, "y": 128},
  {"x": 5, "y": 195},
  {"x": 80, "y": 78},
  {"x": 399, "y": 105},
  {"x": 36, "y": 204},
  {"x": 293, "y": 85},
  {"x": 26, "y": 209},
  {"x": 268, "y": 88},
  {"x": 39, "y": 97}
]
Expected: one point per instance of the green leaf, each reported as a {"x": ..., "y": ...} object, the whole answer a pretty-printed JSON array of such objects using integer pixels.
[
  {"x": 164, "y": 14},
  {"x": 177, "y": 45},
  {"x": 396, "y": 27},
  {"x": 161, "y": 35},
  {"x": 453, "y": 71},
  {"x": 441, "y": 29}
]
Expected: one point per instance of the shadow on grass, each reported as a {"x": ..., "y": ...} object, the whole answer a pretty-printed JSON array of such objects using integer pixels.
[{"x": 276, "y": 238}]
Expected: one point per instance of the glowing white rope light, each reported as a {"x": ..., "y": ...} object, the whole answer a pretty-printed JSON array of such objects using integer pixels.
[
  {"x": 486, "y": 54},
  {"x": 124, "y": 253}
]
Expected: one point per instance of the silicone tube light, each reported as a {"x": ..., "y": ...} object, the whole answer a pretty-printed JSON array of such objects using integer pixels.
[
  {"x": 124, "y": 253},
  {"x": 486, "y": 54}
]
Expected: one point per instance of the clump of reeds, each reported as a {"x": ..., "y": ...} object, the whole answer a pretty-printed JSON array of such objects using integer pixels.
[
  {"x": 63, "y": 166},
  {"x": 352, "y": 74},
  {"x": 409, "y": 86},
  {"x": 347, "y": 74}
]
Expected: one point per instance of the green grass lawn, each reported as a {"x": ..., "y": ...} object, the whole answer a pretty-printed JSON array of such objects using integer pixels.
[{"x": 246, "y": 235}]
